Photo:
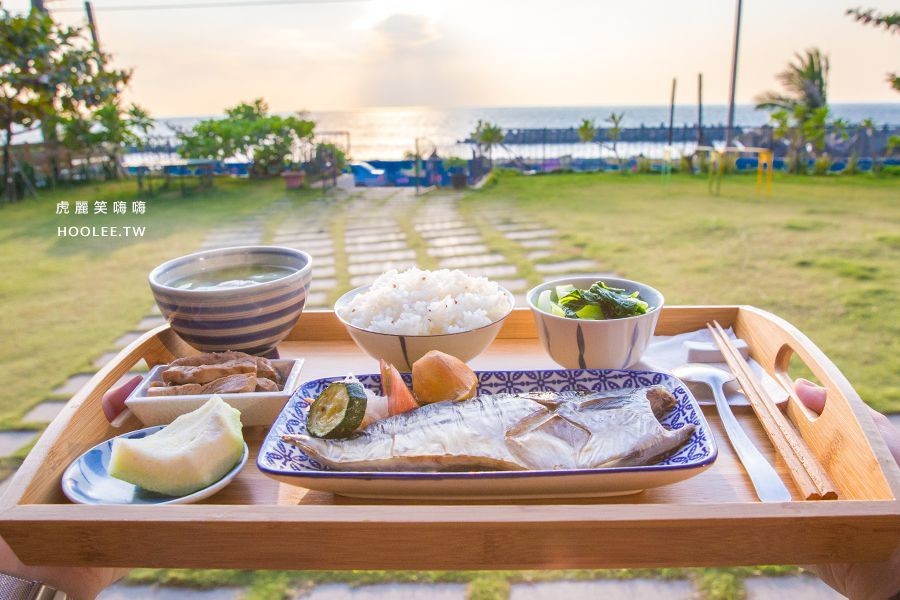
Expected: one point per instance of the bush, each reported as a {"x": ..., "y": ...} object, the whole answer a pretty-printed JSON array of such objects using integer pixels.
[{"x": 822, "y": 164}]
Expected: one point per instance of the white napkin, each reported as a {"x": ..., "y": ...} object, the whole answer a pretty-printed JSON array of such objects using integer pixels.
[{"x": 667, "y": 352}]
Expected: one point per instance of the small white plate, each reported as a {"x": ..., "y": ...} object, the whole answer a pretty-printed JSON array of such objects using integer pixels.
[
  {"x": 87, "y": 480},
  {"x": 257, "y": 408}
]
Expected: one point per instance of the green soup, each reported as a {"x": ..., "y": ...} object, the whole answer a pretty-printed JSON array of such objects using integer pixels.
[{"x": 231, "y": 277}]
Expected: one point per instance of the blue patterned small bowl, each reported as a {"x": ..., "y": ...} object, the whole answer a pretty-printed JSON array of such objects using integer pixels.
[
  {"x": 602, "y": 344},
  {"x": 253, "y": 318}
]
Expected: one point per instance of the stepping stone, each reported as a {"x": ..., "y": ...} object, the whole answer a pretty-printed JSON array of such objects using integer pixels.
[
  {"x": 388, "y": 591},
  {"x": 439, "y": 225},
  {"x": 148, "y": 323},
  {"x": 608, "y": 589},
  {"x": 377, "y": 268},
  {"x": 326, "y": 248},
  {"x": 513, "y": 285},
  {"x": 539, "y": 254},
  {"x": 507, "y": 227},
  {"x": 303, "y": 233},
  {"x": 439, "y": 233},
  {"x": 367, "y": 257},
  {"x": 538, "y": 243},
  {"x": 322, "y": 271},
  {"x": 801, "y": 587},
  {"x": 323, "y": 284},
  {"x": 493, "y": 271},
  {"x": 360, "y": 280},
  {"x": 376, "y": 247},
  {"x": 128, "y": 338},
  {"x": 322, "y": 261},
  {"x": 448, "y": 251},
  {"x": 43, "y": 412},
  {"x": 568, "y": 266},
  {"x": 366, "y": 229},
  {"x": 462, "y": 262},
  {"x": 374, "y": 239},
  {"x": 13, "y": 440},
  {"x": 455, "y": 240},
  {"x": 316, "y": 299},
  {"x": 121, "y": 591},
  {"x": 104, "y": 358},
  {"x": 530, "y": 235},
  {"x": 73, "y": 384}
]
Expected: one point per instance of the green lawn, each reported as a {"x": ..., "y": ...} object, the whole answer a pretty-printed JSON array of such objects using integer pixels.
[
  {"x": 66, "y": 300},
  {"x": 824, "y": 253}
]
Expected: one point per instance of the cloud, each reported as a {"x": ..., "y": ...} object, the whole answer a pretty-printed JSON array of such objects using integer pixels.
[
  {"x": 413, "y": 62},
  {"x": 403, "y": 31}
]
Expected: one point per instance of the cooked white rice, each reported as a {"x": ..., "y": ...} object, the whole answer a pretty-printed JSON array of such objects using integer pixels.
[{"x": 418, "y": 302}]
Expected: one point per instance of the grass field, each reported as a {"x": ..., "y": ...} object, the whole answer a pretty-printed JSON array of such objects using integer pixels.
[
  {"x": 66, "y": 300},
  {"x": 824, "y": 253}
]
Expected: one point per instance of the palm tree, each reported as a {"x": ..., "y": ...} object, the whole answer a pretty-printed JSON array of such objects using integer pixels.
[
  {"x": 486, "y": 136},
  {"x": 800, "y": 112},
  {"x": 587, "y": 133},
  {"x": 805, "y": 82}
]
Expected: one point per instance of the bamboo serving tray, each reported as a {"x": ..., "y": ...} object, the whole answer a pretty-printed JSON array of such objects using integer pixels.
[{"x": 712, "y": 519}]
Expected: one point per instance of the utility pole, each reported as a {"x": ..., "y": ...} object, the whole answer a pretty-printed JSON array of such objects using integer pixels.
[
  {"x": 729, "y": 132},
  {"x": 672, "y": 111},
  {"x": 92, "y": 25},
  {"x": 699, "y": 109}
]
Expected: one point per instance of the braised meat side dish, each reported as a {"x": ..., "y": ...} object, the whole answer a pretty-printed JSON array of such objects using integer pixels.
[{"x": 217, "y": 373}]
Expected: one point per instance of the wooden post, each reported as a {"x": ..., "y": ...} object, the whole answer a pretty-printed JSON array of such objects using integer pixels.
[
  {"x": 671, "y": 112},
  {"x": 699, "y": 109},
  {"x": 734, "y": 62}
]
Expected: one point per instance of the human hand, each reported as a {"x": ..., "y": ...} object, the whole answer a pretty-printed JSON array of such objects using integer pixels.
[
  {"x": 864, "y": 581},
  {"x": 79, "y": 583}
]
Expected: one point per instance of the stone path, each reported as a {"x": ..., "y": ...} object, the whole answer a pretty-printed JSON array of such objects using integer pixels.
[
  {"x": 803, "y": 587},
  {"x": 355, "y": 236},
  {"x": 611, "y": 589},
  {"x": 142, "y": 592},
  {"x": 392, "y": 591}
]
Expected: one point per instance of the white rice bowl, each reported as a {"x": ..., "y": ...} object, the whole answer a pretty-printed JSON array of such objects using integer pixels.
[{"x": 420, "y": 302}]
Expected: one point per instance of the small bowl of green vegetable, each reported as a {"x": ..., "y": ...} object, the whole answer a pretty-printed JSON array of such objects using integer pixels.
[{"x": 595, "y": 322}]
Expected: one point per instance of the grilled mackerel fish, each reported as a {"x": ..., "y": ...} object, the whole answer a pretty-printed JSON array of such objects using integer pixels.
[{"x": 545, "y": 430}]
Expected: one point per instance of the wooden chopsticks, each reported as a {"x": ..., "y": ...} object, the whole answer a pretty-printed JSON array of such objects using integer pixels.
[{"x": 812, "y": 480}]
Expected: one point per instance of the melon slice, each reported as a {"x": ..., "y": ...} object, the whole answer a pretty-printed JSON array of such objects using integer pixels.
[{"x": 193, "y": 452}]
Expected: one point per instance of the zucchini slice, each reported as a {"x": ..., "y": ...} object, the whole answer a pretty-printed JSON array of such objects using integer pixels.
[{"x": 338, "y": 411}]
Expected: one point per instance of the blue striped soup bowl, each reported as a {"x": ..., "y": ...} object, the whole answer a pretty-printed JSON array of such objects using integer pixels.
[
  {"x": 252, "y": 318},
  {"x": 596, "y": 344}
]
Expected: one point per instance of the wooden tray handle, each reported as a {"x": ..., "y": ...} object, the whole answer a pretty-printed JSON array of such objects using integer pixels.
[
  {"x": 46, "y": 462},
  {"x": 843, "y": 437}
]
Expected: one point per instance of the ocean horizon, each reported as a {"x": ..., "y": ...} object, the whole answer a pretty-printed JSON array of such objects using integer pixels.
[{"x": 391, "y": 132}]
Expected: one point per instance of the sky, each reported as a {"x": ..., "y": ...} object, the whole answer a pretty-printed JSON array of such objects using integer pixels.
[{"x": 348, "y": 54}]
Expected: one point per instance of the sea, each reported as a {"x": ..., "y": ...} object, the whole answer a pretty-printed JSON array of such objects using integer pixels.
[{"x": 391, "y": 132}]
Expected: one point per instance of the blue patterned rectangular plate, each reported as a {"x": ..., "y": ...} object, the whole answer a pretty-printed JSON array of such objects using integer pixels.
[{"x": 289, "y": 464}]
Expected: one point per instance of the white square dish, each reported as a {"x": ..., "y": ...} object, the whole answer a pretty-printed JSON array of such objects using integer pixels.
[{"x": 257, "y": 408}]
